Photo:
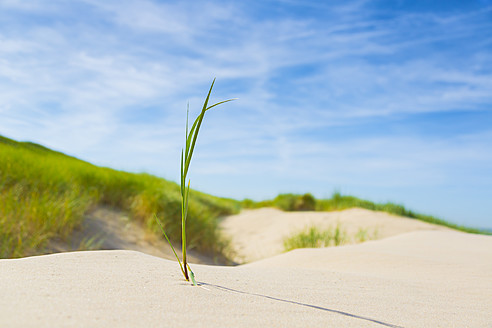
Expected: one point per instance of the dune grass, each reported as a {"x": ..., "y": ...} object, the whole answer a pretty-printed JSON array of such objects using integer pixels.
[
  {"x": 186, "y": 155},
  {"x": 44, "y": 194},
  {"x": 314, "y": 237},
  {"x": 338, "y": 202}
]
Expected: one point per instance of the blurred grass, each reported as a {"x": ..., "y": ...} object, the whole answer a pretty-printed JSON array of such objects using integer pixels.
[
  {"x": 44, "y": 194},
  {"x": 313, "y": 237},
  {"x": 338, "y": 202}
]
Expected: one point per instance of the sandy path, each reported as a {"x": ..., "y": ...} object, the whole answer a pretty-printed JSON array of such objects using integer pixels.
[
  {"x": 258, "y": 234},
  {"x": 419, "y": 279}
]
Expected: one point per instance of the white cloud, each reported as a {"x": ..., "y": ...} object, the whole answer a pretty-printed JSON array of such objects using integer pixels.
[{"x": 109, "y": 82}]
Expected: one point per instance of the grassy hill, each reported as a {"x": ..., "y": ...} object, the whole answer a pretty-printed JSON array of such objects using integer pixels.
[{"x": 44, "y": 195}]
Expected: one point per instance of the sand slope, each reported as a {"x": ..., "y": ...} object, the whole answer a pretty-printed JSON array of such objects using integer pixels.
[
  {"x": 110, "y": 229},
  {"x": 419, "y": 279},
  {"x": 258, "y": 234}
]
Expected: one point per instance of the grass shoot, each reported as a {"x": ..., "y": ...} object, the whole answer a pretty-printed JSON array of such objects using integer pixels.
[{"x": 186, "y": 155}]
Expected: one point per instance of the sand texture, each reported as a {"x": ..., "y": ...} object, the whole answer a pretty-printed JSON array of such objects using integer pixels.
[
  {"x": 258, "y": 234},
  {"x": 105, "y": 228},
  {"x": 417, "y": 279}
]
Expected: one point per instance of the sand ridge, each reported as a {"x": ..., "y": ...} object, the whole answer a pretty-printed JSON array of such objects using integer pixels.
[
  {"x": 258, "y": 234},
  {"x": 418, "y": 279}
]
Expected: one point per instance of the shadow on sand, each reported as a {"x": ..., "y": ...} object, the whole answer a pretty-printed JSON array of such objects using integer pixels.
[{"x": 301, "y": 304}]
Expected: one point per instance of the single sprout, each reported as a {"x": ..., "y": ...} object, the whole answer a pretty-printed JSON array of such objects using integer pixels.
[{"x": 186, "y": 155}]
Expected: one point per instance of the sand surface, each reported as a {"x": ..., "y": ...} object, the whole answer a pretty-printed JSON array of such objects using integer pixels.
[
  {"x": 105, "y": 228},
  {"x": 260, "y": 233},
  {"x": 417, "y": 279}
]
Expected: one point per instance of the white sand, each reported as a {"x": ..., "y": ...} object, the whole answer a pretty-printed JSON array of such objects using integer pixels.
[
  {"x": 258, "y": 234},
  {"x": 111, "y": 229},
  {"x": 418, "y": 279}
]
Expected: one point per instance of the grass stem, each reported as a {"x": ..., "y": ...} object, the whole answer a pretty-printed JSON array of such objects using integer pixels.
[{"x": 186, "y": 155}]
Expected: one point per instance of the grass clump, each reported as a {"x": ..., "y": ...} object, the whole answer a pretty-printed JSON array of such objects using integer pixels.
[
  {"x": 285, "y": 202},
  {"x": 313, "y": 237},
  {"x": 363, "y": 235},
  {"x": 44, "y": 195},
  {"x": 292, "y": 202}
]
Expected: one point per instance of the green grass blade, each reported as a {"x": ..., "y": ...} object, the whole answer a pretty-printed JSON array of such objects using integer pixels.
[
  {"x": 193, "y": 134},
  {"x": 220, "y": 103},
  {"x": 204, "y": 109},
  {"x": 186, "y": 155},
  {"x": 182, "y": 171},
  {"x": 183, "y": 238},
  {"x": 192, "y": 276},
  {"x": 165, "y": 235},
  {"x": 186, "y": 201},
  {"x": 199, "y": 119},
  {"x": 190, "y": 133}
]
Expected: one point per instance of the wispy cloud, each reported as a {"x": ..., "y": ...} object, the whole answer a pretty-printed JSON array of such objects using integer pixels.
[{"x": 109, "y": 81}]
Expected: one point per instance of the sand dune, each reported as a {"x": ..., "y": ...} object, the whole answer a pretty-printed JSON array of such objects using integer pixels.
[
  {"x": 418, "y": 279},
  {"x": 110, "y": 229},
  {"x": 258, "y": 234}
]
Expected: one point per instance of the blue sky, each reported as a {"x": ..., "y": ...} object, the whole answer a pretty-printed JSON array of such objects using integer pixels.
[{"x": 385, "y": 100}]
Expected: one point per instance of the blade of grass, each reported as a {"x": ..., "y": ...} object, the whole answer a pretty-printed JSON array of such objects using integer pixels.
[
  {"x": 219, "y": 103},
  {"x": 187, "y": 159},
  {"x": 186, "y": 155},
  {"x": 199, "y": 119},
  {"x": 165, "y": 235},
  {"x": 186, "y": 205},
  {"x": 183, "y": 234},
  {"x": 182, "y": 168},
  {"x": 194, "y": 134},
  {"x": 206, "y": 109},
  {"x": 192, "y": 276}
]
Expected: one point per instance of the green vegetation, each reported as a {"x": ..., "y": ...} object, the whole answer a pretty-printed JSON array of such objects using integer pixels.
[
  {"x": 362, "y": 235},
  {"x": 285, "y": 202},
  {"x": 291, "y": 202},
  {"x": 313, "y": 237},
  {"x": 186, "y": 155},
  {"x": 44, "y": 194},
  {"x": 295, "y": 202}
]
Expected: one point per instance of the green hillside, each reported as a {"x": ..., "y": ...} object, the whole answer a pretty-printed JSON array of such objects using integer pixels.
[{"x": 44, "y": 195}]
